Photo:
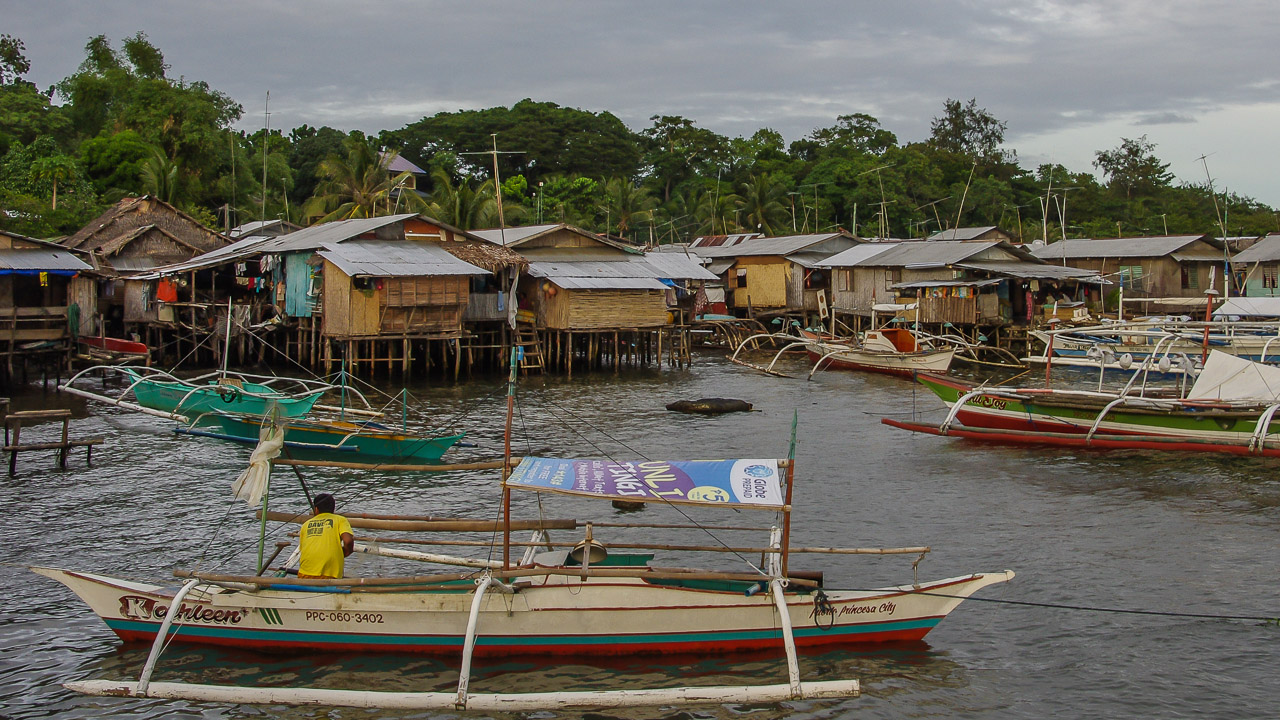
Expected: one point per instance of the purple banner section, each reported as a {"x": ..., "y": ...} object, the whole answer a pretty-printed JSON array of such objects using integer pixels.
[{"x": 701, "y": 482}]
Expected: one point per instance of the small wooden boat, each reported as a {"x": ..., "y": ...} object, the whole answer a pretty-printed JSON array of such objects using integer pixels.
[
  {"x": 893, "y": 351},
  {"x": 365, "y": 441},
  {"x": 109, "y": 349}
]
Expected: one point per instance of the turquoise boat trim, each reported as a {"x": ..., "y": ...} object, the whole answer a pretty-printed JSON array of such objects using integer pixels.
[{"x": 295, "y": 636}]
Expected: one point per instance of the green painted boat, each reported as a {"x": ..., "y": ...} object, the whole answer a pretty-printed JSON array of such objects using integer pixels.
[
  {"x": 363, "y": 442},
  {"x": 1213, "y": 411},
  {"x": 225, "y": 395}
]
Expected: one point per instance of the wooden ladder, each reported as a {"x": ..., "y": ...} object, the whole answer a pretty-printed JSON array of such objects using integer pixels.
[{"x": 527, "y": 338}]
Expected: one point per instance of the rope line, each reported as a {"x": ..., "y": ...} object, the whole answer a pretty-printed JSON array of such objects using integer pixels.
[{"x": 1088, "y": 608}]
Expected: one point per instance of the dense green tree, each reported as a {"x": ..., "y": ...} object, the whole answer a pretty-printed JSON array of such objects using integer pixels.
[
  {"x": 677, "y": 150},
  {"x": 969, "y": 130},
  {"x": 113, "y": 91},
  {"x": 113, "y": 163},
  {"x": 1133, "y": 167},
  {"x": 535, "y": 139},
  {"x": 308, "y": 147}
]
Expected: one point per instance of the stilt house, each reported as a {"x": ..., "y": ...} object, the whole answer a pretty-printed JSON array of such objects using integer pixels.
[
  {"x": 37, "y": 311},
  {"x": 135, "y": 236},
  {"x": 963, "y": 283},
  {"x": 776, "y": 275},
  {"x": 1156, "y": 273},
  {"x": 578, "y": 280},
  {"x": 1258, "y": 268}
]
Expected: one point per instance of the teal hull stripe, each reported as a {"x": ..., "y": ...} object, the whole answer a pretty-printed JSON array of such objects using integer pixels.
[{"x": 288, "y": 636}]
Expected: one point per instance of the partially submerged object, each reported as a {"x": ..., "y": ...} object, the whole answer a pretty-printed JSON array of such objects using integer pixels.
[{"x": 710, "y": 406}]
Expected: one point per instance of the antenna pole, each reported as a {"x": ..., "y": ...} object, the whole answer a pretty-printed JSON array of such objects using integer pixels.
[{"x": 265, "y": 140}]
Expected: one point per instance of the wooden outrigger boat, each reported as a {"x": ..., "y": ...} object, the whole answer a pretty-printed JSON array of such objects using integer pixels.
[
  {"x": 892, "y": 351},
  {"x": 364, "y": 441},
  {"x": 1230, "y": 408},
  {"x": 159, "y": 393},
  {"x": 581, "y": 602},
  {"x": 114, "y": 350}
]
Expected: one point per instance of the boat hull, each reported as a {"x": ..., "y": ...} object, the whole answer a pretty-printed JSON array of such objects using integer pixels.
[
  {"x": 256, "y": 399},
  {"x": 839, "y": 356},
  {"x": 1031, "y": 413},
  {"x": 591, "y": 617},
  {"x": 350, "y": 440}
]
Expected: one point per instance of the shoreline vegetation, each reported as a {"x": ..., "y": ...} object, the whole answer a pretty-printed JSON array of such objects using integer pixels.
[{"x": 120, "y": 126}]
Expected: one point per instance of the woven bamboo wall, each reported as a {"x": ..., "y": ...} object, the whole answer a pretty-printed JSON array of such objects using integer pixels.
[
  {"x": 347, "y": 310},
  {"x": 596, "y": 309}
]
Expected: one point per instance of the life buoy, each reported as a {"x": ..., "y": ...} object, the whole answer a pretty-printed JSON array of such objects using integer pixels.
[{"x": 228, "y": 393}]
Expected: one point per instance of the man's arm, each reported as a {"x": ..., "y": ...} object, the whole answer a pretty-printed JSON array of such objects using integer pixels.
[{"x": 348, "y": 543}]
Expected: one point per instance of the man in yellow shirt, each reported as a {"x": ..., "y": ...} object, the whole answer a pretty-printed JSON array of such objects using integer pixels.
[{"x": 325, "y": 541}]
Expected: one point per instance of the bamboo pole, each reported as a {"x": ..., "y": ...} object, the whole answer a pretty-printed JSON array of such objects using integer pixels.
[
  {"x": 595, "y": 572},
  {"x": 654, "y": 546},
  {"x": 486, "y": 465},
  {"x": 433, "y": 525}
]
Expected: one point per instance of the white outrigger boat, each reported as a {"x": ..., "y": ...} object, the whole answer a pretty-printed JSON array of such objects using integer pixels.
[{"x": 583, "y": 601}]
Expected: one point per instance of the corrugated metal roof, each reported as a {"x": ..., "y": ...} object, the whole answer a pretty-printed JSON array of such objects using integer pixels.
[
  {"x": 318, "y": 236},
  {"x": 654, "y": 266},
  {"x": 1265, "y": 250},
  {"x": 607, "y": 283},
  {"x": 396, "y": 258},
  {"x": 1115, "y": 247},
  {"x": 715, "y": 267},
  {"x": 675, "y": 266},
  {"x": 934, "y": 254},
  {"x": 854, "y": 255},
  {"x": 1030, "y": 270},
  {"x": 398, "y": 165},
  {"x": 966, "y": 233},
  {"x": 45, "y": 259},
  {"x": 242, "y": 248},
  {"x": 513, "y": 235},
  {"x": 946, "y": 283},
  {"x": 768, "y": 245},
  {"x": 808, "y": 260},
  {"x": 723, "y": 240}
]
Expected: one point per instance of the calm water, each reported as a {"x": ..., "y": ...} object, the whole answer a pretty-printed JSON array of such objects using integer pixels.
[{"x": 1172, "y": 533}]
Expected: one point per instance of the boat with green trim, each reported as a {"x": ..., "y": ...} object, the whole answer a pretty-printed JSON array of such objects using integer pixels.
[
  {"x": 164, "y": 392},
  {"x": 1232, "y": 404},
  {"x": 365, "y": 441}
]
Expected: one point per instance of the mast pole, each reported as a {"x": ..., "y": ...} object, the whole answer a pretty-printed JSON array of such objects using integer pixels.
[
  {"x": 786, "y": 504},
  {"x": 226, "y": 343},
  {"x": 506, "y": 465}
]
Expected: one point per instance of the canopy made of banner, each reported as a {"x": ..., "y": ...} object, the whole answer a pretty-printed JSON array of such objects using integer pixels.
[{"x": 739, "y": 483}]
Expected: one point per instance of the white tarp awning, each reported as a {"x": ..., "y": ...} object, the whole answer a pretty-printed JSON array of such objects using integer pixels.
[
  {"x": 1230, "y": 378},
  {"x": 1249, "y": 307}
]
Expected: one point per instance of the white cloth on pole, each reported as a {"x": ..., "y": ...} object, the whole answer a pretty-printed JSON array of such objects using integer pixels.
[{"x": 252, "y": 483}]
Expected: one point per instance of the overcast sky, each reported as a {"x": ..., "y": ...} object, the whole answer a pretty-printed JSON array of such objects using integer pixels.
[{"x": 1069, "y": 77}]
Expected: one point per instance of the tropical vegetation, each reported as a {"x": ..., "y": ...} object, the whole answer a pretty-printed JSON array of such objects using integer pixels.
[{"x": 121, "y": 125}]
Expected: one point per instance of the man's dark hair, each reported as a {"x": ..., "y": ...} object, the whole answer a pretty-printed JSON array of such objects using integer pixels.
[{"x": 324, "y": 503}]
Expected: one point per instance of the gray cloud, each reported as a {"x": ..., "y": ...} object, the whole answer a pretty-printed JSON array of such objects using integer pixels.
[{"x": 1045, "y": 67}]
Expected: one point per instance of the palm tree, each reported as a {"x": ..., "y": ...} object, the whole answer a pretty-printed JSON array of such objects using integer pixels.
[
  {"x": 762, "y": 207},
  {"x": 464, "y": 206},
  {"x": 717, "y": 213},
  {"x": 360, "y": 185},
  {"x": 56, "y": 168},
  {"x": 626, "y": 204},
  {"x": 159, "y": 176}
]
